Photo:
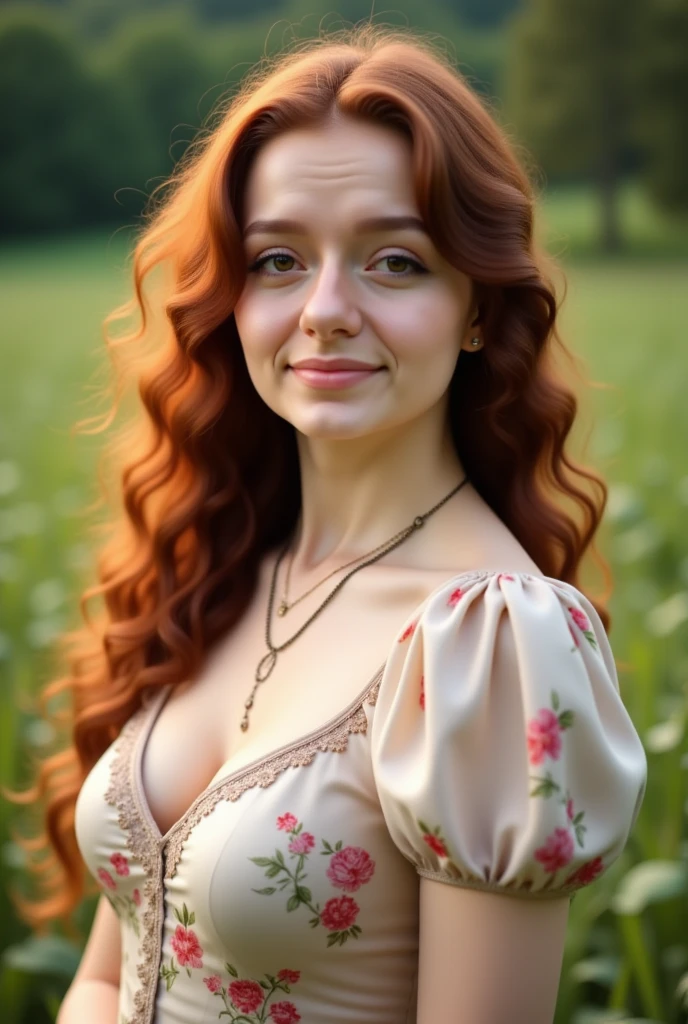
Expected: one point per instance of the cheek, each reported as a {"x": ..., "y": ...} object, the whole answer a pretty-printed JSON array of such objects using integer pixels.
[
  {"x": 259, "y": 331},
  {"x": 428, "y": 345}
]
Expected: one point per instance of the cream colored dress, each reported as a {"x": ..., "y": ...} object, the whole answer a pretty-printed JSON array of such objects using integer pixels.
[{"x": 492, "y": 751}]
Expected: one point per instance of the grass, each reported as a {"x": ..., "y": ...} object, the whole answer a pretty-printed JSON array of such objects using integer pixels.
[{"x": 627, "y": 950}]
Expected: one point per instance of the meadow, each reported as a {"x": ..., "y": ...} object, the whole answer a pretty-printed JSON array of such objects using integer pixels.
[{"x": 627, "y": 950}]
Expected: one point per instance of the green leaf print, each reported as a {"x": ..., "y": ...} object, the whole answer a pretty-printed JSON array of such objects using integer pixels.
[{"x": 350, "y": 868}]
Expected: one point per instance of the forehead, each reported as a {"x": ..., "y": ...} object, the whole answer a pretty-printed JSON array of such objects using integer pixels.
[{"x": 353, "y": 164}]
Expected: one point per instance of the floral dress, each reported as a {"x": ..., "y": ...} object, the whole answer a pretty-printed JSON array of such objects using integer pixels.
[{"x": 492, "y": 751}]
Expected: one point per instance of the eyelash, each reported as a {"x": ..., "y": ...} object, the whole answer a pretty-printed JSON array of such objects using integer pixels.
[{"x": 259, "y": 263}]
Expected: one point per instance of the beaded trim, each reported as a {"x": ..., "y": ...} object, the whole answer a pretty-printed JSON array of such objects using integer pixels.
[
  {"x": 122, "y": 795},
  {"x": 333, "y": 740}
]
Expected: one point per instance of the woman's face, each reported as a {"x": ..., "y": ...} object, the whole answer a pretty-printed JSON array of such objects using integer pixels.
[{"x": 330, "y": 280}]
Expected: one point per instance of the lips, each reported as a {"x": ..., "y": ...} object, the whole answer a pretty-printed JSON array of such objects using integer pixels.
[
  {"x": 333, "y": 378},
  {"x": 332, "y": 365}
]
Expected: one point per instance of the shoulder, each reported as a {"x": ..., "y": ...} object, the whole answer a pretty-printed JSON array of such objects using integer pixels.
[
  {"x": 499, "y": 596},
  {"x": 499, "y": 723}
]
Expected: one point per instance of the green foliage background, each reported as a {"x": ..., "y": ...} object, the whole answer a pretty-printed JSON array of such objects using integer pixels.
[{"x": 136, "y": 79}]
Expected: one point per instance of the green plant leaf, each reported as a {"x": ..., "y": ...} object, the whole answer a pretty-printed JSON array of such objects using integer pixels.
[
  {"x": 652, "y": 881},
  {"x": 665, "y": 736},
  {"x": 293, "y": 903},
  {"x": 46, "y": 954},
  {"x": 602, "y": 970}
]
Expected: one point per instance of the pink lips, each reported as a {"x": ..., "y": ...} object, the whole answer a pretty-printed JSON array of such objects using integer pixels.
[{"x": 331, "y": 374}]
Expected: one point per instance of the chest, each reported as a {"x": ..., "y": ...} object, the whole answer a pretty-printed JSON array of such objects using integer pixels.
[{"x": 197, "y": 737}]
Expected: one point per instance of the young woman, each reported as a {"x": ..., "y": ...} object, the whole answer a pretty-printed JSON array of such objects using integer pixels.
[{"x": 349, "y": 736}]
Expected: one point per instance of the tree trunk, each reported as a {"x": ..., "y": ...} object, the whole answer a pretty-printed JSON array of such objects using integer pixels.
[
  {"x": 610, "y": 225},
  {"x": 608, "y": 162}
]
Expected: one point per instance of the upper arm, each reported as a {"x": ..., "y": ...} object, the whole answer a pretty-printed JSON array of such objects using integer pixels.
[
  {"x": 488, "y": 958},
  {"x": 103, "y": 951}
]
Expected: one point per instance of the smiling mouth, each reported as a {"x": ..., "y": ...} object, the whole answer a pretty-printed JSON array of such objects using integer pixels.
[{"x": 333, "y": 379}]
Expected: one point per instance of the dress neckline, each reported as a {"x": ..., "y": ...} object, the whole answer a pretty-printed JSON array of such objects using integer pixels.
[{"x": 222, "y": 778}]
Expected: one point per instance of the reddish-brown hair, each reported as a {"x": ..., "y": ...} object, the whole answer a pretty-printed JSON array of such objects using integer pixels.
[{"x": 209, "y": 475}]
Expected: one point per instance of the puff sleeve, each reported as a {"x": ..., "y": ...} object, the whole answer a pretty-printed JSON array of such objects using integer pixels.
[{"x": 503, "y": 755}]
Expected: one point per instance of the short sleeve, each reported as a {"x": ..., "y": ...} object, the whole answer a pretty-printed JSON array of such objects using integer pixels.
[{"x": 503, "y": 755}]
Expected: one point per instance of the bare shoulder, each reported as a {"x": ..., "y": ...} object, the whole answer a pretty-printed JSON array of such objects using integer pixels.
[{"x": 486, "y": 543}]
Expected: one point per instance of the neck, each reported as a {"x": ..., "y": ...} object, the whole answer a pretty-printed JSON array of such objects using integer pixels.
[{"x": 357, "y": 494}]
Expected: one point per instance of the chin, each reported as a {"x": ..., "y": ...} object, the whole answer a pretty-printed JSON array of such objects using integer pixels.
[{"x": 324, "y": 426}]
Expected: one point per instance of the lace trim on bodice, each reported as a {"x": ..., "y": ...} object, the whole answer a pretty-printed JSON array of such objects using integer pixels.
[
  {"x": 334, "y": 740},
  {"x": 123, "y": 794}
]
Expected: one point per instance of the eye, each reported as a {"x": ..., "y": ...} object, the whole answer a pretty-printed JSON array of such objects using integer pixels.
[
  {"x": 279, "y": 257},
  {"x": 257, "y": 266},
  {"x": 417, "y": 268}
]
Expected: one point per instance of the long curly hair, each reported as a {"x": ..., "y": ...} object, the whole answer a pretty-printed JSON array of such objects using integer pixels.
[{"x": 207, "y": 476}]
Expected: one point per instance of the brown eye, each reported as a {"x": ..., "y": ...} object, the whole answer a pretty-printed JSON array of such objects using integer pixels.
[
  {"x": 280, "y": 265},
  {"x": 402, "y": 266},
  {"x": 276, "y": 256},
  {"x": 392, "y": 260}
]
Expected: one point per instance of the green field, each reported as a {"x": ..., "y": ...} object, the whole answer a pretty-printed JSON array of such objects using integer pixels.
[{"x": 628, "y": 942}]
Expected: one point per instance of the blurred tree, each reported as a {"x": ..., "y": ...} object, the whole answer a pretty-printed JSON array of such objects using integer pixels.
[
  {"x": 571, "y": 80},
  {"x": 483, "y": 13},
  {"x": 479, "y": 55},
  {"x": 662, "y": 116},
  {"x": 162, "y": 73},
  {"x": 235, "y": 10},
  {"x": 62, "y": 130}
]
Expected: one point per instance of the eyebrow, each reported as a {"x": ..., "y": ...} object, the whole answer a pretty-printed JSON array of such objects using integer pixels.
[{"x": 368, "y": 225}]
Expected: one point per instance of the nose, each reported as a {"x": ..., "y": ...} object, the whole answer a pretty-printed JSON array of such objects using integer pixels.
[{"x": 329, "y": 310}]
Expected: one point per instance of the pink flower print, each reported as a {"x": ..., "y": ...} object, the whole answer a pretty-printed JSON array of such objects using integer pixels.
[
  {"x": 187, "y": 947},
  {"x": 119, "y": 862},
  {"x": 569, "y": 810},
  {"x": 574, "y": 635},
  {"x": 409, "y": 631},
  {"x": 422, "y": 692},
  {"x": 247, "y": 996},
  {"x": 544, "y": 736},
  {"x": 505, "y": 576},
  {"x": 287, "y": 822},
  {"x": 557, "y": 851},
  {"x": 350, "y": 868},
  {"x": 339, "y": 913},
  {"x": 302, "y": 843},
  {"x": 580, "y": 618},
  {"x": 137, "y": 897},
  {"x": 284, "y": 1013},
  {"x": 291, "y": 977},
  {"x": 106, "y": 878},
  {"x": 213, "y": 983},
  {"x": 455, "y": 597},
  {"x": 435, "y": 844},
  {"x": 583, "y": 623},
  {"x": 587, "y": 873}
]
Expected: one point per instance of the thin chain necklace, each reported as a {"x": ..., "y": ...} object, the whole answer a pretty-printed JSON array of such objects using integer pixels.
[
  {"x": 268, "y": 661},
  {"x": 286, "y": 605}
]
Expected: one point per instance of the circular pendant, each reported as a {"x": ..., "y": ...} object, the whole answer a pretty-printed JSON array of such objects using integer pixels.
[{"x": 265, "y": 666}]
